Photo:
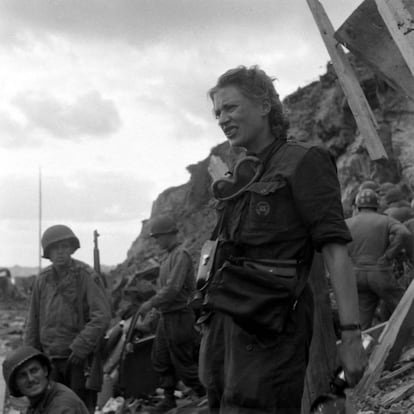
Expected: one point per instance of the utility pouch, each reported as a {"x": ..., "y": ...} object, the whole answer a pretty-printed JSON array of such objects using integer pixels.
[
  {"x": 213, "y": 254},
  {"x": 258, "y": 294}
]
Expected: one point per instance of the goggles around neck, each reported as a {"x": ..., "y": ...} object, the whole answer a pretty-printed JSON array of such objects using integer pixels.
[{"x": 246, "y": 171}]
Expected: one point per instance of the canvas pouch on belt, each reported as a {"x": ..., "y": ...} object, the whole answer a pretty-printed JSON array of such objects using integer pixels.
[{"x": 258, "y": 294}]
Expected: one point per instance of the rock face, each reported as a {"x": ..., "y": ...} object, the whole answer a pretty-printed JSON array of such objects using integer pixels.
[{"x": 318, "y": 113}]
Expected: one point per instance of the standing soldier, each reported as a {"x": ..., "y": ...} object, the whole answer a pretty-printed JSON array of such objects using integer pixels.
[
  {"x": 377, "y": 240},
  {"x": 253, "y": 359},
  {"x": 174, "y": 350},
  {"x": 68, "y": 316}
]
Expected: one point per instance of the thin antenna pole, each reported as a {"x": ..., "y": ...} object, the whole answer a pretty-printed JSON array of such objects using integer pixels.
[{"x": 40, "y": 219}]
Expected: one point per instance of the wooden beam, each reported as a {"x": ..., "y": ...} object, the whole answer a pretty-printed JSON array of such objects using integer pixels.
[
  {"x": 397, "y": 395},
  {"x": 398, "y": 15},
  {"x": 366, "y": 35},
  {"x": 357, "y": 101},
  {"x": 383, "y": 381},
  {"x": 2, "y": 389},
  {"x": 400, "y": 317}
]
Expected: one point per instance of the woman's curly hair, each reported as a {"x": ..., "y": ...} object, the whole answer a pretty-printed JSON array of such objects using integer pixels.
[{"x": 256, "y": 85}]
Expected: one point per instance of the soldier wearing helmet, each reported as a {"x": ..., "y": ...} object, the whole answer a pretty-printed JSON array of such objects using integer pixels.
[
  {"x": 68, "y": 315},
  {"x": 174, "y": 349},
  {"x": 26, "y": 372},
  {"x": 367, "y": 198},
  {"x": 397, "y": 205},
  {"x": 377, "y": 240}
]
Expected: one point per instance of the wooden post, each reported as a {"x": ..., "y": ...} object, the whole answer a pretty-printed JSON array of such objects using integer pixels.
[
  {"x": 358, "y": 103},
  {"x": 2, "y": 389},
  {"x": 398, "y": 15}
]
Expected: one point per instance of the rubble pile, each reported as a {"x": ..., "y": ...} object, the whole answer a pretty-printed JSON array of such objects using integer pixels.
[
  {"x": 11, "y": 327},
  {"x": 393, "y": 393},
  {"x": 185, "y": 404}
]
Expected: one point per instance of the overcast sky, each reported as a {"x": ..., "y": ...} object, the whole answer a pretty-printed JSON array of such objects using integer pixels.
[{"x": 109, "y": 99}]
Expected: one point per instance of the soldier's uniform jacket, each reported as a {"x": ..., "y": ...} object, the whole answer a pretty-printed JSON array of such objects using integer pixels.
[
  {"x": 54, "y": 324},
  {"x": 176, "y": 281},
  {"x": 377, "y": 239},
  {"x": 58, "y": 399}
]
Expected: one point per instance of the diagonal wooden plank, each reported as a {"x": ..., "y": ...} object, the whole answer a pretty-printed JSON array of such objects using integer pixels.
[
  {"x": 2, "y": 389},
  {"x": 400, "y": 317},
  {"x": 357, "y": 101},
  {"x": 397, "y": 395}
]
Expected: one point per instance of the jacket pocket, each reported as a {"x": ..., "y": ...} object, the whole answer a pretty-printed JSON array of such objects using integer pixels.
[
  {"x": 268, "y": 205},
  {"x": 258, "y": 296}
]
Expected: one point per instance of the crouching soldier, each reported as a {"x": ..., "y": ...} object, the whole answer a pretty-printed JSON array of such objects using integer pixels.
[
  {"x": 174, "y": 353},
  {"x": 68, "y": 316},
  {"x": 27, "y": 373}
]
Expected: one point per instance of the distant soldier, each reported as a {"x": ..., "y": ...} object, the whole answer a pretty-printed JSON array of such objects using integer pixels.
[
  {"x": 402, "y": 214},
  {"x": 27, "y": 373},
  {"x": 382, "y": 190},
  {"x": 394, "y": 197},
  {"x": 174, "y": 353},
  {"x": 69, "y": 314},
  {"x": 397, "y": 205},
  {"x": 377, "y": 239},
  {"x": 410, "y": 226},
  {"x": 373, "y": 185}
]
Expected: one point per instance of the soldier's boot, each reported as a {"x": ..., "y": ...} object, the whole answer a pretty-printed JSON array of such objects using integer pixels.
[
  {"x": 166, "y": 404},
  {"x": 199, "y": 391},
  {"x": 196, "y": 392}
]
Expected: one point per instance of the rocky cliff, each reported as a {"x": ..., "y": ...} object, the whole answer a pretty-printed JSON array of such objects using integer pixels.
[{"x": 318, "y": 113}]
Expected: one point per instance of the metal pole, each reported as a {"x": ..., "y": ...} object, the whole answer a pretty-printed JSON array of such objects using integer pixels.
[{"x": 40, "y": 219}]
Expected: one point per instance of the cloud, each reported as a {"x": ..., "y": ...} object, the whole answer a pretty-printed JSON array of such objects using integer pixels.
[
  {"x": 13, "y": 133},
  {"x": 89, "y": 115},
  {"x": 142, "y": 21},
  {"x": 84, "y": 196}
]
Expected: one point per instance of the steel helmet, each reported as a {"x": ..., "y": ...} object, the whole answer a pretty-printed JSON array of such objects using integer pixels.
[
  {"x": 15, "y": 360},
  {"x": 57, "y": 233},
  {"x": 393, "y": 195},
  {"x": 384, "y": 187},
  {"x": 400, "y": 213},
  {"x": 367, "y": 198},
  {"x": 372, "y": 185},
  {"x": 162, "y": 225}
]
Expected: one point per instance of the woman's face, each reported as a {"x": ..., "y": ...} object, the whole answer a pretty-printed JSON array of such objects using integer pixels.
[{"x": 243, "y": 121}]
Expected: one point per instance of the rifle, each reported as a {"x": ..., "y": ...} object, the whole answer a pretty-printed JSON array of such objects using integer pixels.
[{"x": 96, "y": 258}]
